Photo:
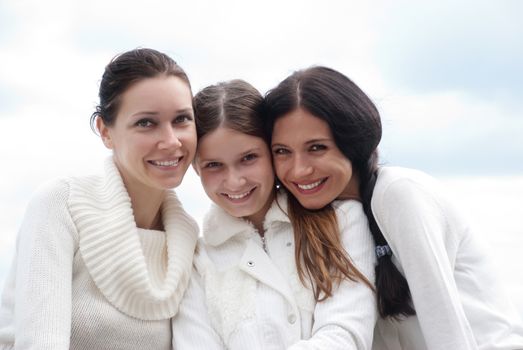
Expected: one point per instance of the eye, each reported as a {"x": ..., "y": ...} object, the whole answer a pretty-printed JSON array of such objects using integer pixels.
[
  {"x": 144, "y": 123},
  {"x": 249, "y": 157},
  {"x": 212, "y": 165},
  {"x": 317, "y": 147},
  {"x": 280, "y": 151},
  {"x": 182, "y": 118}
]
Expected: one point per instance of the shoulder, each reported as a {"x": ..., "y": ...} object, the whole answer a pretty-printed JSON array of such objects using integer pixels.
[
  {"x": 398, "y": 187},
  {"x": 51, "y": 194},
  {"x": 405, "y": 178},
  {"x": 48, "y": 211},
  {"x": 352, "y": 220}
]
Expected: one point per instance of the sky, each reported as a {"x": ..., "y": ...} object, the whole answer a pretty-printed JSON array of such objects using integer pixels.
[{"x": 446, "y": 77}]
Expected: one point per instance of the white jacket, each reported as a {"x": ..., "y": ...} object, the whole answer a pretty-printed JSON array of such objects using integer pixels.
[
  {"x": 246, "y": 298},
  {"x": 458, "y": 299}
]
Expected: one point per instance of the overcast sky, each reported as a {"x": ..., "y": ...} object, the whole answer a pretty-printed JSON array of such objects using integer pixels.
[{"x": 446, "y": 75}]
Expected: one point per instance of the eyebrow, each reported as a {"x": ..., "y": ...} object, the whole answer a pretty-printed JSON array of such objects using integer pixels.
[
  {"x": 306, "y": 142},
  {"x": 254, "y": 149},
  {"x": 251, "y": 150},
  {"x": 153, "y": 113},
  {"x": 318, "y": 140}
]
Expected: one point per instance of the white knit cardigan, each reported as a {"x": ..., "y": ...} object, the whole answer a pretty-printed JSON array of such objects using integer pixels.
[{"x": 80, "y": 279}]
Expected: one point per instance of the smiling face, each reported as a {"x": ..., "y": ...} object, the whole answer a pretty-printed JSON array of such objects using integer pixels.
[
  {"x": 153, "y": 137},
  {"x": 236, "y": 172},
  {"x": 309, "y": 163}
]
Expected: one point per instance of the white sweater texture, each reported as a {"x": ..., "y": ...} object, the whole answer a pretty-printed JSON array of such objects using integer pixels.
[
  {"x": 85, "y": 277},
  {"x": 253, "y": 298},
  {"x": 459, "y": 302}
]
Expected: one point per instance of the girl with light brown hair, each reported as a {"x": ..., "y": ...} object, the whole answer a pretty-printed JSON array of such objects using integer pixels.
[{"x": 261, "y": 283}]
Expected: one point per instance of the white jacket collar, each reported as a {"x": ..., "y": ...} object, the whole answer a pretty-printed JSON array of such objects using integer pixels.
[
  {"x": 110, "y": 246},
  {"x": 219, "y": 226}
]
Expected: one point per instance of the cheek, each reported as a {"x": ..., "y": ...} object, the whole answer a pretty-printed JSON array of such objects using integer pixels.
[
  {"x": 210, "y": 182},
  {"x": 264, "y": 170},
  {"x": 347, "y": 169},
  {"x": 188, "y": 139},
  {"x": 279, "y": 168}
]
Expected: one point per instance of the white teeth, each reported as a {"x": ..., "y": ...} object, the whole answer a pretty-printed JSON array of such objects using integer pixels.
[
  {"x": 165, "y": 163},
  {"x": 238, "y": 196},
  {"x": 310, "y": 186}
]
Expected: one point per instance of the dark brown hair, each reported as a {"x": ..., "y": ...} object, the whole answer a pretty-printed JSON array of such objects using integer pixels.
[
  {"x": 126, "y": 69},
  {"x": 356, "y": 127}
]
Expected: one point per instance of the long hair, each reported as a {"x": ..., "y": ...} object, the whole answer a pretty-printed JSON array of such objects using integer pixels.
[
  {"x": 319, "y": 252},
  {"x": 356, "y": 128}
]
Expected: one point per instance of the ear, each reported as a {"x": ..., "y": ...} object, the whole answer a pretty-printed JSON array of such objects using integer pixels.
[{"x": 105, "y": 133}]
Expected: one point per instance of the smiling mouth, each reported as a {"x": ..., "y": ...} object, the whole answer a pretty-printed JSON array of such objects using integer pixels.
[
  {"x": 165, "y": 163},
  {"x": 311, "y": 186},
  {"x": 239, "y": 196}
]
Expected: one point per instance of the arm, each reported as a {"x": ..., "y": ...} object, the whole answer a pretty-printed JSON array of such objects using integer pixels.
[
  {"x": 43, "y": 281},
  {"x": 346, "y": 320},
  {"x": 191, "y": 326},
  {"x": 417, "y": 230}
]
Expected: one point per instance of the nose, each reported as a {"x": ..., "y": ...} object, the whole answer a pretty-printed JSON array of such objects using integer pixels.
[
  {"x": 301, "y": 167},
  {"x": 235, "y": 180},
  {"x": 168, "y": 138}
]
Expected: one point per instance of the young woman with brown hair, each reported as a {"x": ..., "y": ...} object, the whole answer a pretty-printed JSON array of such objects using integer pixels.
[
  {"x": 102, "y": 262},
  {"x": 254, "y": 293},
  {"x": 435, "y": 286}
]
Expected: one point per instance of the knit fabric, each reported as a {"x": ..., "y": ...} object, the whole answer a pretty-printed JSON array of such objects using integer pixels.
[{"x": 85, "y": 277}]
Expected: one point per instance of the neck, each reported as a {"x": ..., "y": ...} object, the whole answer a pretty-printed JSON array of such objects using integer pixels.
[
  {"x": 258, "y": 218},
  {"x": 352, "y": 191},
  {"x": 146, "y": 202},
  {"x": 146, "y": 209}
]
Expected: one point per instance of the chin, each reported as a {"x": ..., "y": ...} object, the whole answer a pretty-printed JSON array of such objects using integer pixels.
[
  {"x": 312, "y": 204},
  {"x": 237, "y": 213}
]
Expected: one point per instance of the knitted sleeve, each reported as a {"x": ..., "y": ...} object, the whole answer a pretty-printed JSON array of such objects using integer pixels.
[{"x": 42, "y": 279}]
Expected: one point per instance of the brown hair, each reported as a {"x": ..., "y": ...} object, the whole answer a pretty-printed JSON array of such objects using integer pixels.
[
  {"x": 355, "y": 124},
  {"x": 319, "y": 252},
  {"x": 235, "y": 104},
  {"x": 126, "y": 69}
]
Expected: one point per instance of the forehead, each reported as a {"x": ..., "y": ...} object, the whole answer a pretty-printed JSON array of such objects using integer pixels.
[
  {"x": 300, "y": 126},
  {"x": 224, "y": 141},
  {"x": 159, "y": 91}
]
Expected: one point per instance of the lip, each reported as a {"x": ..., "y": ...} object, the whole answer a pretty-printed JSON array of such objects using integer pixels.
[
  {"x": 245, "y": 198},
  {"x": 166, "y": 163},
  {"x": 306, "y": 191}
]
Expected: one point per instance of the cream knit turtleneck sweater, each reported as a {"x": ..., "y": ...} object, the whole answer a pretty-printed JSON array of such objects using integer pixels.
[{"x": 85, "y": 277}]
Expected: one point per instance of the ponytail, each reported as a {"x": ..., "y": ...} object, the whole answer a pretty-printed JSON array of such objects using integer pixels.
[{"x": 393, "y": 293}]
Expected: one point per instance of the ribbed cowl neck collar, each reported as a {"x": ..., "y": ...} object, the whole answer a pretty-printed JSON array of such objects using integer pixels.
[{"x": 110, "y": 246}]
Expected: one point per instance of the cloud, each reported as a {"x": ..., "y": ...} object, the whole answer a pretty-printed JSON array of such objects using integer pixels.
[
  {"x": 469, "y": 46},
  {"x": 451, "y": 133}
]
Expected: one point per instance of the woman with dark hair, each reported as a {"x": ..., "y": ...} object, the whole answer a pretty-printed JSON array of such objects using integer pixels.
[
  {"x": 435, "y": 287},
  {"x": 247, "y": 280},
  {"x": 102, "y": 262}
]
